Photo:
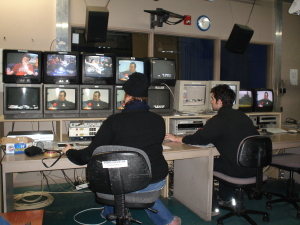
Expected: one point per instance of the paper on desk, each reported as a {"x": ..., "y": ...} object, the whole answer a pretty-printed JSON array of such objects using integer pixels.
[
  {"x": 208, "y": 145},
  {"x": 166, "y": 147}
]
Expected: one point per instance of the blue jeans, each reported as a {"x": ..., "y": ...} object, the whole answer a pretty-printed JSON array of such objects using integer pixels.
[{"x": 163, "y": 215}]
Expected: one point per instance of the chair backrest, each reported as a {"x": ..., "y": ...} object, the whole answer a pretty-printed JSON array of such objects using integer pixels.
[
  {"x": 255, "y": 151},
  {"x": 118, "y": 170}
]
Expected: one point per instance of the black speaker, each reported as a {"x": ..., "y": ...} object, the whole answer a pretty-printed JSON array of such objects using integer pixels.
[
  {"x": 96, "y": 23},
  {"x": 239, "y": 38}
]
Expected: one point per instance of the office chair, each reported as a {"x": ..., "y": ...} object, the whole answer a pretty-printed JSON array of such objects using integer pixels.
[
  {"x": 116, "y": 171},
  {"x": 291, "y": 163},
  {"x": 254, "y": 151}
]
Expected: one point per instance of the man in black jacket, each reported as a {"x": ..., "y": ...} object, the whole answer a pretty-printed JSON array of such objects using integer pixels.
[{"x": 225, "y": 131}]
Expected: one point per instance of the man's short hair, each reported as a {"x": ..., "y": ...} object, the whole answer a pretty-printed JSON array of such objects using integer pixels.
[
  {"x": 27, "y": 56},
  {"x": 65, "y": 94},
  {"x": 133, "y": 64},
  {"x": 98, "y": 93},
  {"x": 224, "y": 93}
]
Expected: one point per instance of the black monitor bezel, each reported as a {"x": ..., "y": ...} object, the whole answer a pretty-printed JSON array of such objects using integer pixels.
[
  {"x": 97, "y": 112},
  {"x": 98, "y": 80},
  {"x": 163, "y": 111},
  {"x": 49, "y": 113},
  {"x": 117, "y": 80},
  {"x": 116, "y": 88},
  {"x": 255, "y": 106},
  {"x": 153, "y": 81},
  {"x": 21, "y": 79},
  {"x": 9, "y": 113},
  {"x": 61, "y": 79}
]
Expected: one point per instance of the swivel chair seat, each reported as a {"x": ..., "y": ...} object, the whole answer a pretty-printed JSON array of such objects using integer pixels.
[
  {"x": 291, "y": 163},
  {"x": 255, "y": 152},
  {"x": 116, "y": 171}
]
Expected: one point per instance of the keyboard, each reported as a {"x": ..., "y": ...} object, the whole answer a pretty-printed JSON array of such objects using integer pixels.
[{"x": 276, "y": 130}]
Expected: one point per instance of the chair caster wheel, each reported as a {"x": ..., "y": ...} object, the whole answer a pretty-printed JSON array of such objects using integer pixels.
[
  {"x": 266, "y": 218},
  {"x": 269, "y": 207}
]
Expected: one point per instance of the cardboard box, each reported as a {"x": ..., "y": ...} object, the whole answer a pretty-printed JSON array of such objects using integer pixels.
[{"x": 15, "y": 145}]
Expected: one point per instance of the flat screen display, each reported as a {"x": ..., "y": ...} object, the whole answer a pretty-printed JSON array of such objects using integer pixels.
[
  {"x": 95, "y": 99},
  {"x": 60, "y": 98},
  {"x": 61, "y": 65},
  {"x": 22, "y": 98},
  {"x": 98, "y": 66}
]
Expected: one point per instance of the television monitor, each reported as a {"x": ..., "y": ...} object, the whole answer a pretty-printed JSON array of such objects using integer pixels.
[
  {"x": 96, "y": 101},
  {"x": 125, "y": 66},
  {"x": 98, "y": 68},
  {"x": 160, "y": 100},
  {"x": 61, "y": 101},
  {"x": 263, "y": 100},
  {"x": 118, "y": 98},
  {"x": 245, "y": 100},
  {"x": 162, "y": 71},
  {"x": 191, "y": 96},
  {"x": 234, "y": 85},
  {"x": 22, "y": 101},
  {"x": 22, "y": 66},
  {"x": 61, "y": 68}
]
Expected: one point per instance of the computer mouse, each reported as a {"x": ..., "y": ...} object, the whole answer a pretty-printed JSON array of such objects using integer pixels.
[{"x": 292, "y": 131}]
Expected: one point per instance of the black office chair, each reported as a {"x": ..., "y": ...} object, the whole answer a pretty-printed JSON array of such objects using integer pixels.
[
  {"x": 291, "y": 163},
  {"x": 116, "y": 171},
  {"x": 254, "y": 151}
]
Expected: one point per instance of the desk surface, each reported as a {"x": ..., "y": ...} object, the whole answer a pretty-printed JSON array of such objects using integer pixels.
[{"x": 35, "y": 217}]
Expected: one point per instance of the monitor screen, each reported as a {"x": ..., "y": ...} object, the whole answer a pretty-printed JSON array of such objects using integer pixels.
[
  {"x": 245, "y": 100},
  {"x": 96, "y": 100},
  {"x": 119, "y": 103},
  {"x": 125, "y": 66},
  {"x": 61, "y": 101},
  {"x": 22, "y": 66},
  {"x": 234, "y": 85},
  {"x": 191, "y": 96},
  {"x": 263, "y": 100},
  {"x": 98, "y": 68},
  {"x": 162, "y": 70},
  {"x": 61, "y": 68},
  {"x": 160, "y": 100},
  {"x": 23, "y": 101}
]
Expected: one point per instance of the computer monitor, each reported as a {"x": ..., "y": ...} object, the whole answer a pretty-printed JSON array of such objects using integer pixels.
[
  {"x": 22, "y": 66},
  {"x": 98, "y": 68},
  {"x": 160, "y": 100},
  {"x": 263, "y": 100},
  {"x": 191, "y": 96},
  {"x": 61, "y": 68},
  {"x": 61, "y": 101},
  {"x": 125, "y": 66},
  {"x": 245, "y": 100},
  {"x": 22, "y": 101},
  {"x": 234, "y": 85},
  {"x": 96, "y": 101},
  {"x": 162, "y": 71},
  {"x": 119, "y": 103}
]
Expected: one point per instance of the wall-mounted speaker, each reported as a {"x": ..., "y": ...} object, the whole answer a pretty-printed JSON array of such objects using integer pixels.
[
  {"x": 239, "y": 39},
  {"x": 96, "y": 24}
]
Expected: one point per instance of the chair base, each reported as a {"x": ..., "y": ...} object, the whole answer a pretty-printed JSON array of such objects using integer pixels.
[{"x": 244, "y": 213}]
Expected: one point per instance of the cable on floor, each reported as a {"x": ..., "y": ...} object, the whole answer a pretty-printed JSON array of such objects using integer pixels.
[{"x": 85, "y": 211}]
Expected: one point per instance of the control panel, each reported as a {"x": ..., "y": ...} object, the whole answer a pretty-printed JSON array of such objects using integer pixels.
[
  {"x": 265, "y": 121},
  {"x": 186, "y": 126},
  {"x": 83, "y": 130}
]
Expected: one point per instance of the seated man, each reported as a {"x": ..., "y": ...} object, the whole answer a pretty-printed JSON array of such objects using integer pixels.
[{"x": 225, "y": 130}]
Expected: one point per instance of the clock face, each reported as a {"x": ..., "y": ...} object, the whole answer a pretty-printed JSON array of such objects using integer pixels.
[{"x": 203, "y": 23}]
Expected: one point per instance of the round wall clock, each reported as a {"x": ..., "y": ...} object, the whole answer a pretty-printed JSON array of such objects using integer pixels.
[{"x": 203, "y": 23}]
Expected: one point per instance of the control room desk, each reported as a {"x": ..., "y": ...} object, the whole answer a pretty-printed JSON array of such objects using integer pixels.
[{"x": 193, "y": 174}]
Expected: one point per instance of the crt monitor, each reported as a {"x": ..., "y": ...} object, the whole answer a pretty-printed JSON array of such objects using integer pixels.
[
  {"x": 234, "y": 85},
  {"x": 119, "y": 103},
  {"x": 22, "y": 66},
  {"x": 61, "y": 68},
  {"x": 125, "y": 66},
  {"x": 98, "y": 68},
  {"x": 61, "y": 101},
  {"x": 263, "y": 100},
  {"x": 160, "y": 99},
  {"x": 162, "y": 71},
  {"x": 191, "y": 96},
  {"x": 245, "y": 100},
  {"x": 96, "y": 101},
  {"x": 22, "y": 101}
]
